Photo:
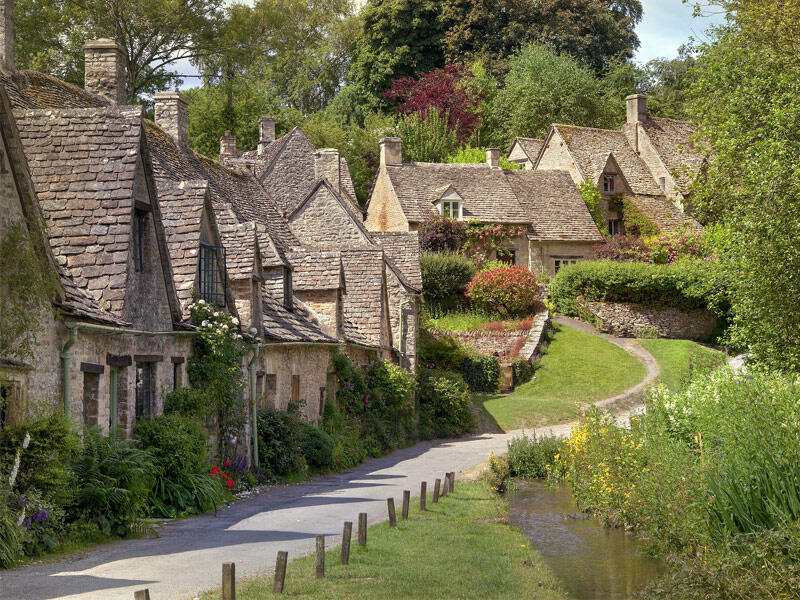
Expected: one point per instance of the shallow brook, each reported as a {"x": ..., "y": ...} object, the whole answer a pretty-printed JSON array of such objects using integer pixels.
[{"x": 591, "y": 561}]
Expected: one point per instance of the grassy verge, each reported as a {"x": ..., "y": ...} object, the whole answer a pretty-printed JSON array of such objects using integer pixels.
[
  {"x": 476, "y": 321},
  {"x": 459, "y": 548},
  {"x": 576, "y": 368},
  {"x": 677, "y": 359}
]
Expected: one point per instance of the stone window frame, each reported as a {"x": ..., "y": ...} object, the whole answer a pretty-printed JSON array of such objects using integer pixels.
[
  {"x": 213, "y": 274},
  {"x": 614, "y": 226},
  {"x": 609, "y": 184},
  {"x": 147, "y": 397}
]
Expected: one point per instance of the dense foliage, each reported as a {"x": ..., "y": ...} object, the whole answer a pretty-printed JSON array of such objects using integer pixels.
[
  {"x": 531, "y": 455},
  {"x": 592, "y": 198},
  {"x": 483, "y": 240},
  {"x": 440, "y": 233},
  {"x": 445, "y": 277},
  {"x": 481, "y": 373},
  {"x": 622, "y": 248},
  {"x": 444, "y": 404},
  {"x": 512, "y": 291}
]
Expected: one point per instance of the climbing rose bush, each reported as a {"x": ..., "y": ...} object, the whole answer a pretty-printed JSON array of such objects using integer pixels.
[
  {"x": 677, "y": 245},
  {"x": 509, "y": 290},
  {"x": 481, "y": 239}
]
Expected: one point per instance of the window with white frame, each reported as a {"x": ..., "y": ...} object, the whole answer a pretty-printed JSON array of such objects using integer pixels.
[
  {"x": 563, "y": 262},
  {"x": 450, "y": 208},
  {"x": 608, "y": 184}
]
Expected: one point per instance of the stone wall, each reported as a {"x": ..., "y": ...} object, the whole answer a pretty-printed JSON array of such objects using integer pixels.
[
  {"x": 385, "y": 212},
  {"x": 637, "y": 320},
  {"x": 321, "y": 221}
]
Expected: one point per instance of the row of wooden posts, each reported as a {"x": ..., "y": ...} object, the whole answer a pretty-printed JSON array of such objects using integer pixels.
[{"x": 229, "y": 569}]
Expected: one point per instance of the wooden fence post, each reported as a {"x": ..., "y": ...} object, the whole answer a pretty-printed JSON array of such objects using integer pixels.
[
  {"x": 347, "y": 533},
  {"x": 362, "y": 529},
  {"x": 141, "y": 594},
  {"x": 280, "y": 572},
  {"x": 445, "y": 485},
  {"x": 320, "y": 556},
  {"x": 452, "y": 481},
  {"x": 437, "y": 485},
  {"x": 406, "y": 501},
  {"x": 392, "y": 514},
  {"x": 229, "y": 581},
  {"x": 423, "y": 495}
]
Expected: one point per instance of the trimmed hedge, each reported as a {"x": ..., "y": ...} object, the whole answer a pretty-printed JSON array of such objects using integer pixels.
[
  {"x": 686, "y": 285},
  {"x": 444, "y": 280},
  {"x": 481, "y": 373}
]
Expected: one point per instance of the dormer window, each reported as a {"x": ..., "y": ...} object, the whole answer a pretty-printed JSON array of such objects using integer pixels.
[
  {"x": 451, "y": 208},
  {"x": 212, "y": 274},
  {"x": 608, "y": 184}
]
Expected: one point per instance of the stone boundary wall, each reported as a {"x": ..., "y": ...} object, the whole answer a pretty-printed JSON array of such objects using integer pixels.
[{"x": 637, "y": 320}]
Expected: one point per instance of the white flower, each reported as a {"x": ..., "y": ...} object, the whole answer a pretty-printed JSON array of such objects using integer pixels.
[
  {"x": 216, "y": 314},
  {"x": 204, "y": 324},
  {"x": 201, "y": 302},
  {"x": 235, "y": 321}
]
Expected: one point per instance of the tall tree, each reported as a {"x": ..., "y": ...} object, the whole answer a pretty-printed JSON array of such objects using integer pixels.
[
  {"x": 668, "y": 82},
  {"x": 595, "y": 32},
  {"x": 154, "y": 35},
  {"x": 398, "y": 38},
  {"x": 747, "y": 99}
]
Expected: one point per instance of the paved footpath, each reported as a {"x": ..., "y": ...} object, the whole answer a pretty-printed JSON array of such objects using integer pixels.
[{"x": 187, "y": 557}]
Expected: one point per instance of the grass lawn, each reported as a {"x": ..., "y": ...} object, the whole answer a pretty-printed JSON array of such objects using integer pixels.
[
  {"x": 459, "y": 548},
  {"x": 474, "y": 321},
  {"x": 576, "y": 368},
  {"x": 676, "y": 358}
]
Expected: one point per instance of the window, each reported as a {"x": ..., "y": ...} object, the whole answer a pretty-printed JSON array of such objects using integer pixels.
[
  {"x": 509, "y": 258},
  {"x": 177, "y": 374},
  {"x": 91, "y": 389},
  {"x": 212, "y": 274},
  {"x": 615, "y": 226},
  {"x": 563, "y": 262},
  {"x": 451, "y": 208},
  {"x": 608, "y": 184},
  {"x": 296, "y": 389},
  {"x": 8, "y": 397},
  {"x": 139, "y": 228},
  {"x": 266, "y": 398},
  {"x": 145, "y": 383},
  {"x": 662, "y": 183}
]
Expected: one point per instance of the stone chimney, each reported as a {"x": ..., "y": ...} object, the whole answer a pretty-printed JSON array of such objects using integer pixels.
[
  {"x": 7, "y": 31},
  {"x": 327, "y": 164},
  {"x": 266, "y": 133},
  {"x": 227, "y": 144},
  {"x": 493, "y": 157},
  {"x": 172, "y": 115},
  {"x": 105, "y": 70},
  {"x": 637, "y": 107},
  {"x": 391, "y": 151}
]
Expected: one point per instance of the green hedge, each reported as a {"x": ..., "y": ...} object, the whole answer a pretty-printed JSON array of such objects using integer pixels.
[
  {"x": 444, "y": 280},
  {"x": 481, "y": 373},
  {"x": 686, "y": 285}
]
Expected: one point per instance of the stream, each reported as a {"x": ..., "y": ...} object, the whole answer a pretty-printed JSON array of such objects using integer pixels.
[{"x": 591, "y": 561}]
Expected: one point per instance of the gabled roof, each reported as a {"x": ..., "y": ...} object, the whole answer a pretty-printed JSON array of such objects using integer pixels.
[
  {"x": 355, "y": 216},
  {"x": 590, "y": 148},
  {"x": 485, "y": 192},
  {"x": 557, "y": 210},
  {"x": 402, "y": 249},
  {"x": 316, "y": 269},
  {"x": 530, "y": 146},
  {"x": 664, "y": 214},
  {"x": 241, "y": 245},
  {"x": 672, "y": 140},
  {"x": 272, "y": 255},
  {"x": 285, "y": 326},
  {"x": 364, "y": 301}
]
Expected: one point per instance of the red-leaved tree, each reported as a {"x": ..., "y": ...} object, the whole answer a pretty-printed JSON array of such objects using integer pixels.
[
  {"x": 509, "y": 290},
  {"x": 447, "y": 91}
]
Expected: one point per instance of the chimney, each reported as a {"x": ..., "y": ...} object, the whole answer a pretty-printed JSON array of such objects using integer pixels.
[
  {"x": 7, "y": 25},
  {"x": 227, "y": 144},
  {"x": 172, "y": 115},
  {"x": 328, "y": 165},
  {"x": 105, "y": 70},
  {"x": 266, "y": 133},
  {"x": 493, "y": 157},
  {"x": 391, "y": 151},
  {"x": 637, "y": 107}
]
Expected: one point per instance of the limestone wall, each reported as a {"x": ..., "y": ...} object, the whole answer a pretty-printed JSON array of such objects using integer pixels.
[
  {"x": 385, "y": 212},
  {"x": 637, "y": 320}
]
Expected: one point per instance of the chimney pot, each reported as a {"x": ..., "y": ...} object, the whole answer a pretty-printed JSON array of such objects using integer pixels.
[
  {"x": 391, "y": 151},
  {"x": 227, "y": 144},
  {"x": 493, "y": 157},
  {"x": 172, "y": 115},
  {"x": 327, "y": 165},
  {"x": 636, "y": 108},
  {"x": 7, "y": 25},
  {"x": 266, "y": 133},
  {"x": 105, "y": 70}
]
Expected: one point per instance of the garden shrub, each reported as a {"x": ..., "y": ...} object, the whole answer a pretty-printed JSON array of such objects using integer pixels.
[
  {"x": 444, "y": 280},
  {"x": 623, "y": 248},
  {"x": 316, "y": 446},
  {"x": 182, "y": 484},
  {"x": 444, "y": 404},
  {"x": 441, "y": 234},
  {"x": 279, "y": 441},
  {"x": 678, "y": 245},
  {"x": 486, "y": 239},
  {"x": 522, "y": 371},
  {"x": 481, "y": 373},
  {"x": 498, "y": 475},
  {"x": 531, "y": 456},
  {"x": 347, "y": 449},
  {"x": 186, "y": 401},
  {"x": 511, "y": 290},
  {"x": 11, "y": 536},
  {"x": 440, "y": 351}
]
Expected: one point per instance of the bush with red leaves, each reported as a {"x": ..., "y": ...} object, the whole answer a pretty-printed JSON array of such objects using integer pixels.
[
  {"x": 442, "y": 234},
  {"x": 509, "y": 290},
  {"x": 623, "y": 248}
]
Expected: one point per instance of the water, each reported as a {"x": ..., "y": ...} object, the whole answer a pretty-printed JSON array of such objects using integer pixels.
[{"x": 591, "y": 561}]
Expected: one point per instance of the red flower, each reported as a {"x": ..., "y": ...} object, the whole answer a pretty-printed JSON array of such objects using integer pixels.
[
  {"x": 215, "y": 471},
  {"x": 227, "y": 463},
  {"x": 224, "y": 476},
  {"x": 229, "y": 483}
]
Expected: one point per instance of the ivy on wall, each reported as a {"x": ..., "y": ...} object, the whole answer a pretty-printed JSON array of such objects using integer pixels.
[
  {"x": 592, "y": 198},
  {"x": 635, "y": 221}
]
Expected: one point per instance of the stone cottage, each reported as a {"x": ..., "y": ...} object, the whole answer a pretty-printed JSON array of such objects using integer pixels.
[
  {"x": 544, "y": 204},
  {"x": 648, "y": 163}
]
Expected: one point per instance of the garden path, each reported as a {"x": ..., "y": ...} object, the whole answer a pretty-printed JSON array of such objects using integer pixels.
[{"x": 187, "y": 556}]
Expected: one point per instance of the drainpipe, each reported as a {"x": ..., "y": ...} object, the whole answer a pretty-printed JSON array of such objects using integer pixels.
[
  {"x": 113, "y": 400},
  {"x": 66, "y": 366},
  {"x": 251, "y": 368}
]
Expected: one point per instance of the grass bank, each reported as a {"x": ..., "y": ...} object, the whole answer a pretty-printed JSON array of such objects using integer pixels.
[
  {"x": 677, "y": 359},
  {"x": 576, "y": 368},
  {"x": 459, "y": 548}
]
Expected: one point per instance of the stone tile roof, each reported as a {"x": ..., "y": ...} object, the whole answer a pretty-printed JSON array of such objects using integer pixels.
[
  {"x": 271, "y": 254},
  {"x": 316, "y": 269},
  {"x": 364, "y": 300},
  {"x": 286, "y": 169},
  {"x": 672, "y": 140},
  {"x": 530, "y": 146},
  {"x": 30, "y": 89},
  {"x": 557, "y": 210},
  {"x": 182, "y": 206},
  {"x": 486, "y": 194},
  {"x": 664, "y": 214},
  {"x": 590, "y": 149},
  {"x": 285, "y": 326},
  {"x": 402, "y": 249},
  {"x": 83, "y": 164},
  {"x": 240, "y": 244}
]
